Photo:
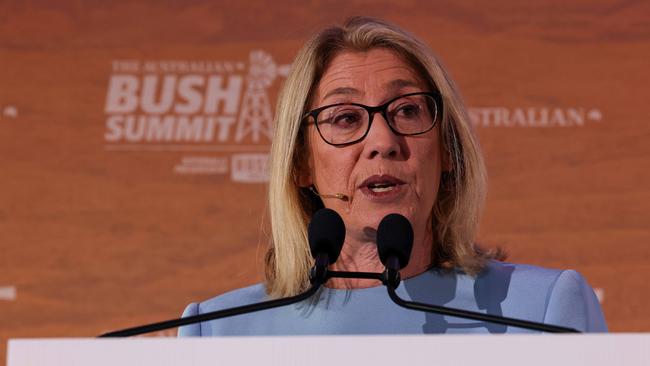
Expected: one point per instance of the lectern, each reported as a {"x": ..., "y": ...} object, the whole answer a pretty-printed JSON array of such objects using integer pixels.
[{"x": 442, "y": 350}]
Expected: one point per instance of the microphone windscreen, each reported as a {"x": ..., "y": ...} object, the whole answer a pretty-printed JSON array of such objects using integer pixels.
[
  {"x": 395, "y": 238},
  {"x": 326, "y": 233}
]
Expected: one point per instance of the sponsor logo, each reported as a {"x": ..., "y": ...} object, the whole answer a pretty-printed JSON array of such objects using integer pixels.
[
  {"x": 198, "y": 107},
  {"x": 202, "y": 165},
  {"x": 533, "y": 117},
  {"x": 250, "y": 168}
]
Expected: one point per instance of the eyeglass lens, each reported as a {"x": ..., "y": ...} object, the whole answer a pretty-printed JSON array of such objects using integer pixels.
[{"x": 346, "y": 123}]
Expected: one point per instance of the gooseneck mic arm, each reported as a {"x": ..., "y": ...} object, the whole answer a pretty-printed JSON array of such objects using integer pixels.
[
  {"x": 392, "y": 280},
  {"x": 326, "y": 236},
  {"x": 213, "y": 315},
  {"x": 326, "y": 233},
  {"x": 541, "y": 327},
  {"x": 394, "y": 243}
]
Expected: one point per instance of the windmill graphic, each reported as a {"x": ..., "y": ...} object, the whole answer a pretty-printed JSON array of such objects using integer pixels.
[{"x": 255, "y": 116}]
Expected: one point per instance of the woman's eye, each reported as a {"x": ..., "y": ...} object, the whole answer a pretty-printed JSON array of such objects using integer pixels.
[
  {"x": 346, "y": 119},
  {"x": 408, "y": 111}
]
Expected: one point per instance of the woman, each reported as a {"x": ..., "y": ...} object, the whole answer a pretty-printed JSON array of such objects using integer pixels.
[{"x": 368, "y": 123}]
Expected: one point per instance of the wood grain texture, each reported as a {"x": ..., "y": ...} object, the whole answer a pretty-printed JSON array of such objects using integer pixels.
[{"x": 96, "y": 240}]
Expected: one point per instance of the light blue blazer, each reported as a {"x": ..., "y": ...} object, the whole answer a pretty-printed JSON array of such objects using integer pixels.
[{"x": 517, "y": 291}]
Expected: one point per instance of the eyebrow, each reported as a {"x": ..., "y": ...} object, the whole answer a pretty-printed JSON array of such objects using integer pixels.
[
  {"x": 344, "y": 91},
  {"x": 394, "y": 85},
  {"x": 401, "y": 83}
]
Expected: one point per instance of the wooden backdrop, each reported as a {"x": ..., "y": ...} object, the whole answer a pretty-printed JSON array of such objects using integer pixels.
[{"x": 133, "y": 141}]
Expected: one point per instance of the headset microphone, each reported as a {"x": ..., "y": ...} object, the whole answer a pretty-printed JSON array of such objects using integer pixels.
[{"x": 340, "y": 196}]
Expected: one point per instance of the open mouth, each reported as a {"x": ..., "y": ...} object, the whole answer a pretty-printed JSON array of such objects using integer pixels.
[
  {"x": 378, "y": 184},
  {"x": 381, "y": 187}
]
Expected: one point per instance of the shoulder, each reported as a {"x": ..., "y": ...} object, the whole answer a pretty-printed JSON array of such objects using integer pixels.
[
  {"x": 516, "y": 282},
  {"x": 525, "y": 275},
  {"x": 563, "y": 296},
  {"x": 242, "y": 296},
  {"x": 572, "y": 302},
  {"x": 238, "y": 297}
]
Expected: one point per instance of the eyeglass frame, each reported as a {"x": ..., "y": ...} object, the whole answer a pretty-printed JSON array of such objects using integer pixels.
[{"x": 383, "y": 109}]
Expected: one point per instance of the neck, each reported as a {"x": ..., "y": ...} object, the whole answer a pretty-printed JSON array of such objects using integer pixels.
[{"x": 362, "y": 257}]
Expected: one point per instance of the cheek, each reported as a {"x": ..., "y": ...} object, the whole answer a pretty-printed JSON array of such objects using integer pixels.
[
  {"x": 428, "y": 176},
  {"x": 330, "y": 167},
  {"x": 327, "y": 171}
]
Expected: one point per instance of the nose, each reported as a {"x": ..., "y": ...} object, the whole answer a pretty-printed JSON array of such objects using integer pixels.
[{"x": 381, "y": 141}]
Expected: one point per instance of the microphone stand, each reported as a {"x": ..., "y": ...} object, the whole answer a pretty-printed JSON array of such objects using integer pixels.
[
  {"x": 477, "y": 316},
  {"x": 391, "y": 279},
  {"x": 319, "y": 275},
  {"x": 218, "y": 314}
]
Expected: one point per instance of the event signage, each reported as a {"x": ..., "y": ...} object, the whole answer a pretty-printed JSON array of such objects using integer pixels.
[
  {"x": 197, "y": 107},
  {"x": 219, "y": 113}
]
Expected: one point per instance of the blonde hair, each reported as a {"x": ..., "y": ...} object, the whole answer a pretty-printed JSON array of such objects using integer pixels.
[{"x": 462, "y": 190}]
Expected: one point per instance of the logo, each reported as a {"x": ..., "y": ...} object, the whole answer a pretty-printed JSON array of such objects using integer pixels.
[
  {"x": 198, "y": 107},
  {"x": 533, "y": 117}
]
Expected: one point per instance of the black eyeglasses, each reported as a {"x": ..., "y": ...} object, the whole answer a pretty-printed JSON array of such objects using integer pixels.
[{"x": 344, "y": 124}]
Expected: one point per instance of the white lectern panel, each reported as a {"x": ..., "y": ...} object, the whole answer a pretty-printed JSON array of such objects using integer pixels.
[{"x": 484, "y": 350}]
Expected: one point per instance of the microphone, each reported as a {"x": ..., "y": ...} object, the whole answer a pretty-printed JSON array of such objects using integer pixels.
[
  {"x": 394, "y": 244},
  {"x": 326, "y": 233},
  {"x": 340, "y": 196}
]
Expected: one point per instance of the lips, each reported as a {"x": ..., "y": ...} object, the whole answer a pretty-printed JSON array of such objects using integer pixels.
[{"x": 381, "y": 184}]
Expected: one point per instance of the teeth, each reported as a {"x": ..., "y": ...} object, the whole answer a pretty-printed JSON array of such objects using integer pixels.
[{"x": 381, "y": 189}]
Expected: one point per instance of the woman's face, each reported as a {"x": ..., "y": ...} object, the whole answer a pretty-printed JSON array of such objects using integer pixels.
[{"x": 384, "y": 173}]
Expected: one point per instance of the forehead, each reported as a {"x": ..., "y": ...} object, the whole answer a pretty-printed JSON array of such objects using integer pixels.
[{"x": 374, "y": 73}]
